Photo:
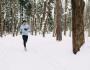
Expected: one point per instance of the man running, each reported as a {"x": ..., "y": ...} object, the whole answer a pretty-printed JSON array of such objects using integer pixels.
[{"x": 24, "y": 30}]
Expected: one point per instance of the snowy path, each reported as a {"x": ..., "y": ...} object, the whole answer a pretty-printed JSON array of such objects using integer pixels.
[{"x": 42, "y": 54}]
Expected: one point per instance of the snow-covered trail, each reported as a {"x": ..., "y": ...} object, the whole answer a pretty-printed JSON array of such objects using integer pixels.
[{"x": 42, "y": 54}]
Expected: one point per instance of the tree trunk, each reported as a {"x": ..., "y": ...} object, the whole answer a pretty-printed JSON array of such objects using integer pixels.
[
  {"x": 46, "y": 12},
  {"x": 58, "y": 21},
  {"x": 65, "y": 24},
  {"x": 54, "y": 30},
  {"x": 88, "y": 17},
  {"x": 21, "y": 14},
  {"x": 77, "y": 24},
  {"x": 35, "y": 26},
  {"x": 13, "y": 16},
  {"x": 1, "y": 18},
  {"x": 44, "y": 20}
]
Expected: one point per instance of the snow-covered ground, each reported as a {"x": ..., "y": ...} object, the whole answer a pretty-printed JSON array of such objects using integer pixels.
[{"x": 42, "y": 54}]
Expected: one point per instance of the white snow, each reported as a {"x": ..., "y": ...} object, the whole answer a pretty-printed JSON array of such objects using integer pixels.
[{"x": 42, "y": 54}]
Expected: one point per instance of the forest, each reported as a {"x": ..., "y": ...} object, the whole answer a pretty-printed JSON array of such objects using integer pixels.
[{"x": 45, "y": 16}]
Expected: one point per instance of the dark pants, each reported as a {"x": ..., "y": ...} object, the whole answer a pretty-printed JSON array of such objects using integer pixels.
[{"x": 25, "y": 38}]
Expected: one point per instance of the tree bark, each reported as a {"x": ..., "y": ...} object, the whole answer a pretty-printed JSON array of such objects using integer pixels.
[
  {"x": 77, "y": 24},
  {"x": 0, "y": 20},
  {"x": 58, "y": 21},
  {"x": 88, "y": 17},
  {"x": 1, "y": 17},
  {"x": 65, "y": 24},
  {"x": 45, "y": 17}
]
